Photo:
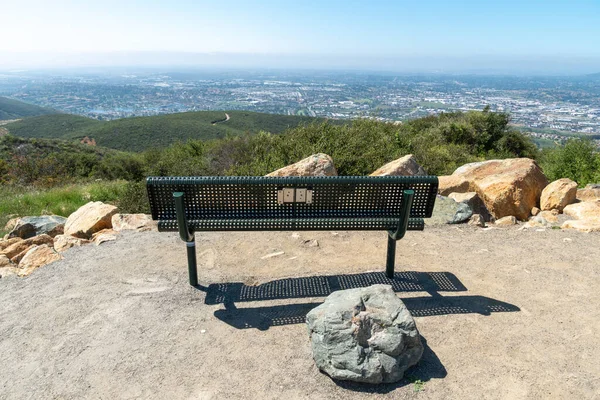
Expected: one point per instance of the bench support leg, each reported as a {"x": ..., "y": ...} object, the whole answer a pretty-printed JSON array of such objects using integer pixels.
[
  {"x": 187, "y": 236},
  {"x": 192, "y": 266},
  {"x": 391, "y": 257}
]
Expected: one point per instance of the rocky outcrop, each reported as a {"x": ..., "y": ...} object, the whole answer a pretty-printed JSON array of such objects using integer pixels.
[
  {"x": 139, "y": 222},
  {"x": 5, "y": 261},
  {"x": 452, "y": 184},
  {"x": 316, "y": 165},
  {"x": 448, "y": 211},
  {"x": 27, "y": 227},
  {"x": 404, "y": 166},
  {"x": 507, "y": 187},
  {"x": 64, "y": 242},
  {"x": 89, "y": 219},
  {"x": 22, "y": 245},
  {"x": 364, "y": 335},
  {"x": 36, "y": 257},
  {"x": 558, "y": 194}
]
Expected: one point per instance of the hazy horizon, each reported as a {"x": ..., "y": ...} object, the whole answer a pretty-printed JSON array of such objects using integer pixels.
[{"x": 508, "y": 37}]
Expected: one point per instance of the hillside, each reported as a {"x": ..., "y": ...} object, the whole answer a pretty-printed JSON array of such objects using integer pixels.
[
  {"x": 14, "y": 109},
  {"x": 141, "y": 133}
]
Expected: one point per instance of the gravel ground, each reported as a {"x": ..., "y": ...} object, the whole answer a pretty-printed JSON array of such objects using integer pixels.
[{"x": 505, "y": 314}]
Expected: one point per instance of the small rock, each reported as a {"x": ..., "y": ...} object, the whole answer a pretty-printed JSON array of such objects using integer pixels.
[
  {"x": 566, "y": 240},
  {"x": 536, "y": 222},
  {"x": 505, "y": 221},
  {"x": 311, "y": 243},
  {"x": 271, "y": 255},
  {"x": 535, "y": 211},
  {"x": 549, "y": 216},
  {"x": 36, "y": 257},
  {"x": 473, "y": 201},
  {"x": 477, "y": 220},
  {"x": 5, "y": 261}
]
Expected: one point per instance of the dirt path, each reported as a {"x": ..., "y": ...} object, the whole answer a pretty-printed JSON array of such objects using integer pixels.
[
  {"x": 506, "y": 314},
  {"x": 221, "y": 121}
]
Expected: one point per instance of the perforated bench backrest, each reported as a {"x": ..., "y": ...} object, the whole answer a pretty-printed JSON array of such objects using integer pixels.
[{"x": 248, "y": 203}]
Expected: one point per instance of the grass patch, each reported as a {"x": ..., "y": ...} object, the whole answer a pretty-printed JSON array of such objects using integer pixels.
[{"x": 18, "y": 201}]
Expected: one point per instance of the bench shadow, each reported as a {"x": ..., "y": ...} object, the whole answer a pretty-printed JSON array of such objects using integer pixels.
[
  {"x": 323, "y": 286},
  {"x": 429, "y": 367},
  {"x": 263, "y": 318}
]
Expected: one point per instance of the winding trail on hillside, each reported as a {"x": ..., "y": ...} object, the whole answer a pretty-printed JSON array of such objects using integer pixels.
[{"x": 221, "y": 120}]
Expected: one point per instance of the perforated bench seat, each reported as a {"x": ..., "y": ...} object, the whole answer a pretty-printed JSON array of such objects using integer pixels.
[{"x": 191, "y": 204}]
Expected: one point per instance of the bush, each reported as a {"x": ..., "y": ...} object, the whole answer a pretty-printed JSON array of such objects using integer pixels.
[{"x": 578, "y": 160}]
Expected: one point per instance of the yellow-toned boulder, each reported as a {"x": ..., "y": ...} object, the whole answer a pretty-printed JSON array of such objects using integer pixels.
[
  {"x": 404, "y": 166},
  {"x": 558, "y": 194},
  {"x": 36, "y": 257},
  {"x": 510, "y": 187},
  {"x": 316, "y": 165},
  {"x": 585, "y": 225},
  {"x": 105, "y": 235},
  {"x": 9, "y": 242},
  {"x": 89, "y": 219},
  {"x": 5, "y": 261},
  {"x": 506, "y": 221}
]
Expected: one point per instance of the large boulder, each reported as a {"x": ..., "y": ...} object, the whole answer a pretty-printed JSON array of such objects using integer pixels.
[
  {"x": 558, "y": 194},
  {"x": 587, "y": 225},
  {"x": 404, "y": 166},
  {"x": 27, "y": 227},
  {"x": 364, "y": 335},
  {"x": 507, "y": 187},
  {"x": 89, "y": 219},
  {"x": 36, "y": 257},
  {"x": 139, "y": 222},
  {"x": 64, "y": 242},
  {"x": 590, "y": 193},
  {"x": 448, "y": 211},
  {"x": 316, "y": 165},
  {"x": 21, "y": 245}
]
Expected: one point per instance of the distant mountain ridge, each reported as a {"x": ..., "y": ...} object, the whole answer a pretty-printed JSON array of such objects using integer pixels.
[
  {"x": 14, "y": 109},
  {"x": 141, "y": 133}
]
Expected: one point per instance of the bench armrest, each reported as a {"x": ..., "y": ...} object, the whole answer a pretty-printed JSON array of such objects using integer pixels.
[{"x": 404, "y": 217}]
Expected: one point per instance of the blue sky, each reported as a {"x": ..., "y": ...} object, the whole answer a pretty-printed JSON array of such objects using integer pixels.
[{"x": 377, "y": 28}]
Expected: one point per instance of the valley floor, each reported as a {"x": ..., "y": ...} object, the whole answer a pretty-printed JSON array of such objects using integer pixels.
[{"x": 506, "y": 314}]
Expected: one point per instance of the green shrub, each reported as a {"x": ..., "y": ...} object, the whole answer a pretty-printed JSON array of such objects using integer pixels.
[{"x": 578, "y": 160}]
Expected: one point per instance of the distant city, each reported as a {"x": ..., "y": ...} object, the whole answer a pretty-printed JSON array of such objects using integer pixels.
[{"x": 548, "y": 107}]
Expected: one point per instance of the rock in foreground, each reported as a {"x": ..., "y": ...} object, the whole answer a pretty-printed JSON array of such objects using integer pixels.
[
  {"x": 364, "y": 335},
  {"x": 316, "y": 165},
  {"x": 404, "y": 166},
  {"x": 89, "y": 219}
]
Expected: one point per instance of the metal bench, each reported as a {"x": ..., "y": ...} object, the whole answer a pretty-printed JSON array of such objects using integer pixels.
[{"x": 193, "y": 204}]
